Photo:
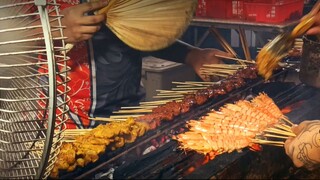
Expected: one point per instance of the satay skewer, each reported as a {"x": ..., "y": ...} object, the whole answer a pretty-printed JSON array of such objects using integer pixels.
[
  {"x": 133, "y": 111},
  {"x": 235, "y": 59},
  {"x": 123, "y": 116},
  {"x": 159, "y": 101},
  {"x": 193, "y": 83},
  {"x": 171, "y": 91},
  {"x": 285, "y": 128},
  {"x": 168, "y": 96},
  {"x": 139, "y": 107},
  {"x": 267, "y": 142},
  {"x": 218, "y": 69},
  {"x": 188, "y": 88},
  {"x": 230, "y": 72},
  {"x": 214, "y": 74},
  {"x": 287, "y": 120},
  {"x": 277, "y": 131},
  {"x": 182, "y": 94},
  {"x": 225, "y": 66},
  {"x": 196, "y": 82},
  {"x": 107, "y": 119},
  {"x": 275, "y": 136}
]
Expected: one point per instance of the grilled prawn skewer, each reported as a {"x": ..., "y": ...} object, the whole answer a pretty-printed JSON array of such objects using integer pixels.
[{"x": 236, "y": 126}]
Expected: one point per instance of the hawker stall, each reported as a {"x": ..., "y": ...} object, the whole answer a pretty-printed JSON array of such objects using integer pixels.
[
  {"x": 231, "y": 127},
  {"x": 158, "y": 154}
]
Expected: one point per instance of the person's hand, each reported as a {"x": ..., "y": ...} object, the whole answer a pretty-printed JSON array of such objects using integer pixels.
[
  {"x": 315, "y": 29},
  {"x": 304, "y": 149},
  {"x": 198, "y": 57},
  {"x": 81, "y": 27}
]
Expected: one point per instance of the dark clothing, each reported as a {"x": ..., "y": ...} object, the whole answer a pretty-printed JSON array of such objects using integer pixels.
[{"x": 118, "y": 71}]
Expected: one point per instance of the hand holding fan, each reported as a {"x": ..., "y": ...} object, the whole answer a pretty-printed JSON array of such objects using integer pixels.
[{"x": 148, "y": 25}]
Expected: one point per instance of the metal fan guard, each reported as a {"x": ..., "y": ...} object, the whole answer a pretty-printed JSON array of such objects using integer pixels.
[{"x": 33, "y": 88}]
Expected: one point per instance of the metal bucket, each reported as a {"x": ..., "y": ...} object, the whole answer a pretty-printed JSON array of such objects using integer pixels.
[{"x": 310, "y": 61}]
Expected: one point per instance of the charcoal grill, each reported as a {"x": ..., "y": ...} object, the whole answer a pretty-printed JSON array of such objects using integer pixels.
[{"x": 169, "y": 162}]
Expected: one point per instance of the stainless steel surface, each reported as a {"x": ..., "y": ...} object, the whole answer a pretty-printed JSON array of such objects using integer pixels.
[
  {"x": 33, "y": 88},
  {"x": 271, "y": 28},
  {"x": 310, "y": 62},
  {"x": 234, "y": 24}
]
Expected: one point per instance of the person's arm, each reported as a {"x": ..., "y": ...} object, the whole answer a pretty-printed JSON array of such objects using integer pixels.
[
  {"x": 304, "y": 149},
  {"x": 315, "y": 29},
  {"x": 193, "y": 56},
  {"x": 79, "y": 26}
]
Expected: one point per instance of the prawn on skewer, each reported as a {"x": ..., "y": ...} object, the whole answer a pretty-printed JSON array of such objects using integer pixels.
[{"x": 235, "y": 126}]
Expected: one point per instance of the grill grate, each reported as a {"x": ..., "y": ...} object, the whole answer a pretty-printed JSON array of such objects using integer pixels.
[{"x": 168, "y": 162}]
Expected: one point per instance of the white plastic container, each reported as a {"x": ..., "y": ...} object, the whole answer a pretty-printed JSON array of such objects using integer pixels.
[{"x": 158, "y": 74}]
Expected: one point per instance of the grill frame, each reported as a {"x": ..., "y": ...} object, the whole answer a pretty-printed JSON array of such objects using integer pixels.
[{"x": 121, "y": 165}]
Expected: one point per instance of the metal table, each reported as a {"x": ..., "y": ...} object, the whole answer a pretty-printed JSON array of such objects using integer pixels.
[
  {"x": 260, "y": 30},
  {"x": 234, "y": 24}
]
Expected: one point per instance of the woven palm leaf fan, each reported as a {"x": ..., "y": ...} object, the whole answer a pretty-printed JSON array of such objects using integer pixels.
[{"x": 148, "y": 25}]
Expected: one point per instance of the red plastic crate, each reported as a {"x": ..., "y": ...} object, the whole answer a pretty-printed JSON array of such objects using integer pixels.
[
  {"x": 220, "y": 9},
  {"x": 273, "y": 11}
]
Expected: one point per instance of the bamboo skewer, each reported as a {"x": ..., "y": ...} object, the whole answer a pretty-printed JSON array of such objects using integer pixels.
[
  {"x": 244, "y": 43},
  {"x": 133, "y": 111},
  {"x": 187, "y": 88},
  {"x": 266, "y": 142},
  {"x": 277, "y": 131},
  {"x": 191, "y": 86},
  {"x": 285, "y": 128},
  {"x": 236, "y": 59},
  {"x": 195, "y": 82},
  {"x": 225, "y": 66},
  {"x": 108, "y": 119},
  {"x": 223, "y": 42},
  {"x": 275, "y": 136},
  {"x": 215, "y": 74},
  {"x": 167, "y": 96},
  {"x": 159, "y": 102},
  {"x": 170, "y": 91},
  {"x": 123, "y": 116},
  {"x": 287, "y": 120},
  {"x": 218, "y": 70},
  {"x": 68, "y": 141},
  {"x": 139, "y": 107}
]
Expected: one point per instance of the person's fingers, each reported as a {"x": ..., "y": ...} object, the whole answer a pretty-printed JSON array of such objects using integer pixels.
[
  {"x": 89, "y": 29},
  {"x": 316, "y": 8},
  {"x": 287, "y": 146},
  {"x": 295, "y": 129},
  {"x": 314, "y": 11},
  {"x": 223, "y": 53},
  {"x": 85, "y": 37},
  {"x": 297, "y": 163},
  {"x": 91, "y": 20},
  {"x": 92, "y": 6},
  {"x": 204, "y": 78},
  {"x": 300, "y": 127},
  {"x": 78, "y": 38},
  {"x": 313, "y": 31}
]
